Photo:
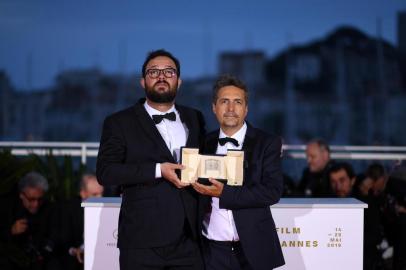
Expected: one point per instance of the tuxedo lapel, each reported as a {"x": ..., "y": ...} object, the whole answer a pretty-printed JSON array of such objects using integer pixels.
[
  {"x": 210, "y": 146},
  {"x": 149, "y": 127},
  {"x": 248, "y": 145},
  {"x": 188, "y": 124}
]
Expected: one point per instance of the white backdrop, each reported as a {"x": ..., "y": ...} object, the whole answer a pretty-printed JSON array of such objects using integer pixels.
[{"x": 314, "y": 233}]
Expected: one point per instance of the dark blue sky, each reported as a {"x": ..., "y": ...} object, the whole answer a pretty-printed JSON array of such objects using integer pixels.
[{"x": 56, "y": 35}]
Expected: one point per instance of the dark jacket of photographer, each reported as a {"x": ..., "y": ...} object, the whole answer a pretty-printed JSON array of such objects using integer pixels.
[{"x": 30, "y": 249}]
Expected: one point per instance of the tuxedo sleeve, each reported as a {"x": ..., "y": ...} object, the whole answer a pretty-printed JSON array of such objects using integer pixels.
[
  {"x": 111, "y": 168},
  {"x": 265, "y": 192}
]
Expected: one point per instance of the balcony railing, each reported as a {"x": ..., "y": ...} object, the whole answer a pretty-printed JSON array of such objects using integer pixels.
[
  {"x": 83, "y": 150},
  {"x": 352, "y": 152},
  {"x": 86, "y": 150}
]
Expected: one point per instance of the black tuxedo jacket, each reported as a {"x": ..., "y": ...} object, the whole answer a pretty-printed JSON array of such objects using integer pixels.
[
  {"x": 153, "y": 211},
  {"x": 250, "y": 203}
]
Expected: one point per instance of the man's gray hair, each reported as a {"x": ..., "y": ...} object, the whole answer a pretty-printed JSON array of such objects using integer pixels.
[{"x": 33, "y": 180}]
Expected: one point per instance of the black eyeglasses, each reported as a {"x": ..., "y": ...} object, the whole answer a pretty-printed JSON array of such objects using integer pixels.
[{"x": 154, "y": 73}]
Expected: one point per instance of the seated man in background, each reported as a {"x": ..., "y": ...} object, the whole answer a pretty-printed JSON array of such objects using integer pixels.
[
  {"x": 69, "y": 233},
  {"x": 396, "y": 193},
  {"x": 27, "y": 242},
  {"x": 378, "y": 177},
  {"x": 342, "y": 180},
  {"x": 314, "y": 181}
]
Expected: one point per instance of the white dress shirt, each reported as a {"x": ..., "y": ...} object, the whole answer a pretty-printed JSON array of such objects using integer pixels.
[
  {"x": 174, "y": 133},
  {"x": 219, "y": 223}
]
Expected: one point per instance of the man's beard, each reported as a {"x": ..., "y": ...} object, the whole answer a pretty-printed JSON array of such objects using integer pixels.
[{"x": 161, "y": 97}]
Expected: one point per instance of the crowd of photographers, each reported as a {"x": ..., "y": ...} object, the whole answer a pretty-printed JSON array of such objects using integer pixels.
[{"x": 383, "y": 190}]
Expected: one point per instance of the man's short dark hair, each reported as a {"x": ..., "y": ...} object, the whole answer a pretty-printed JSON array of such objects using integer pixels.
[
  {"x": 321, "y": 143},
  {"x": 375, "y": 171},
  {"x": 228, "y": 80},
  {"x": 342, "y": 166},
  {"x": 161, "y": 52}
]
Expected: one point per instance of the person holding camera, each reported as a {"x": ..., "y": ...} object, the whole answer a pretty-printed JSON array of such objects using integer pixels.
[{"x": 28, "y": 242}]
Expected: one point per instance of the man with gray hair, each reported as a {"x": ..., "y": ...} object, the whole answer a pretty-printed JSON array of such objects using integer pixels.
[
  {"x": 31, "y": 223},
  {"x": 32, "y": 187}
]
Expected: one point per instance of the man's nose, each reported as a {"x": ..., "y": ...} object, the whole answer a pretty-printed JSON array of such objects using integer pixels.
[{"x": 161, "y": 75}]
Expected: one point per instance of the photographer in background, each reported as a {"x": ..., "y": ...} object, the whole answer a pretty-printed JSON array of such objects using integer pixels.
[
  {"x": 315, "y": 179},
  {"x": 342, "y": 180},
  {"x": 28, "y": 244},
  {"x": 396, "y": 189},
  {"x": 68, "y": 234}
]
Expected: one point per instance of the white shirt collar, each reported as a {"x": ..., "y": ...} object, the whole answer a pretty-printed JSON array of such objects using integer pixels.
[
  {"x": 151, "y": 111},
  {"x": 239, "y": 135}
]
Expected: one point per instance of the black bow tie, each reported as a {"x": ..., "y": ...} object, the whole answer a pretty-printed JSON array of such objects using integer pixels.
[
  {"x": 159, "y": 117},
  {"x": 223, "y": 141}
]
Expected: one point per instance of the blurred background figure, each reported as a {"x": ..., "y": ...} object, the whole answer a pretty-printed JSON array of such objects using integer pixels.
[
  {"x": 342, "y": 180},
  {"x": 26, "y": 244},
  {"x": 375, "y": 180},
  {"x": 378, "y": 223},
  {"x": 314, "y": 181},
  {"x": 396, "y": 191},
  {"x": 69, "y": 233}
]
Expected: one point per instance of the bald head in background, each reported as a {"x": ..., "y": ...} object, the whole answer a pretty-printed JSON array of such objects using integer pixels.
[
  {"x": 315, "y": 180},
  {"x": 318, "y": 155},
  {"x": 89, "y": 187}
]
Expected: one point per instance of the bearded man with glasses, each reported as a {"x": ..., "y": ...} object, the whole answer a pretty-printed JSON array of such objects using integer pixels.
[{"x": 139, "y": 150}]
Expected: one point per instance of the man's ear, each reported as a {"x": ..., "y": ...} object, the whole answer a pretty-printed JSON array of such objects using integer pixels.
[
  {"x": 142, "y": 82},
  {"x": 213, "y": 107},
  {"x": 179, "y": 82}
]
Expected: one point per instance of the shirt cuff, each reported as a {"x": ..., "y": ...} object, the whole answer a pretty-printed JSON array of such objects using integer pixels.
[{"x": 158, "y": 173}]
